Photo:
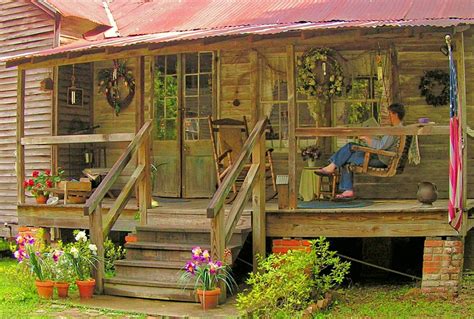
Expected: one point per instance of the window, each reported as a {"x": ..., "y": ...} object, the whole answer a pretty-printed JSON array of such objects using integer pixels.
[{"x": 166, "y": 97}]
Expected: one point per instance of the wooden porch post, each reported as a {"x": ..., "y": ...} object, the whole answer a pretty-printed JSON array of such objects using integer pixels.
[
  {"x": 55, "y": 120},
  {"x": 97, "y": 238},
  {"x": 258, "y": 203},
  {"x": 218, "y": 243},
  {"x": 461, "y": 79},
  {"x": 20, "y": 133},
  {"x": 290, "y": 53},
  {"x": 144, "y": 185}
]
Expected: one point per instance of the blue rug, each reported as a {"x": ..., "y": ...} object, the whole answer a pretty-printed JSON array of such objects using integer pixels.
[{"x": 327, "y": 204}]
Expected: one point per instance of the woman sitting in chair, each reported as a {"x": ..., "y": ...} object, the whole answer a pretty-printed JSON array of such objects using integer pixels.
[{"x": 345, "y": 155}]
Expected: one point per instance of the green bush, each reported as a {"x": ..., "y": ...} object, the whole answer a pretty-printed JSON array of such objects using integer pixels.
[
  {"x": 111, "y": 254},
  {"x": 286, "y": 284}
]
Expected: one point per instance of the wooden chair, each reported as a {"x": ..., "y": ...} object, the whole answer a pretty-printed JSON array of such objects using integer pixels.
[
  {"x": 231, "y": 135},
  {"x": 397, "y": 162}
]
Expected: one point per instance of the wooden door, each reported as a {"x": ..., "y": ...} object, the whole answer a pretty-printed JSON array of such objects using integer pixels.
[
  {"x": 198, "y": 172},
  {"x": 182, "y": 150},
  {"x": 166, "y": 170}
]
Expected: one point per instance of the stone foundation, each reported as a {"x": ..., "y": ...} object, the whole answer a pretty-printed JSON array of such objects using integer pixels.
[{"x": 442, "y": 266}]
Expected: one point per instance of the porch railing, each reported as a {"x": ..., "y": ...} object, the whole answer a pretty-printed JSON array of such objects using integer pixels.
[
  {"x": 222, "y": 228},
  {"x": 139, "y": 146}
]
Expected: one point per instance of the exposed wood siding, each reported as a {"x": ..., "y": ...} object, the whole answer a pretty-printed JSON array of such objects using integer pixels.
[
  {"x": 23, "y": 28},
  {"x": 74, "y": 118}
]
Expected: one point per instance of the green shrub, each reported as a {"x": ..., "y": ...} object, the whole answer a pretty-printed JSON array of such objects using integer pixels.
[
  {"x": 111, "y": 254},
  {"x": 286, "y": 284}
]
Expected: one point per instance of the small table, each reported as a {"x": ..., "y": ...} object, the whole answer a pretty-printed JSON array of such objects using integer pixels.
[
  {"x": 313, "y": 186},
  {"x": 310, "y": 184}
]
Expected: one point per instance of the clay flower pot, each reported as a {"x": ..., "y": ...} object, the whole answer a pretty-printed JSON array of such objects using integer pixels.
[
  {"x": 63, "y": 289},
  {"x": 86, "y": 288},
  {"x": 131, "y": 238},
  {"x": 45, "y": 288},
  {"x": 209, "y": 298},
  {"x": 41, "y": 199}
]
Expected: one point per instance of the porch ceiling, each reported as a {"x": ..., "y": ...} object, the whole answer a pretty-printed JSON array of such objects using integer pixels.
[{"x": 158, "y": 40}]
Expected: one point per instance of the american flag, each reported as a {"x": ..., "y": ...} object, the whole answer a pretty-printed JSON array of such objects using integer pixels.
[{"x": 455, "y": 148}]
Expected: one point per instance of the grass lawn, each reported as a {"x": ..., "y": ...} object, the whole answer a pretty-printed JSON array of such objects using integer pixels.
[
  {"x": 400, "y": 301},
  {"x": 18, "y": 299}
]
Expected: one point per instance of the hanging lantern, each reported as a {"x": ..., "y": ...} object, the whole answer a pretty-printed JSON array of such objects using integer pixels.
[{"x": 74, "y": 94}]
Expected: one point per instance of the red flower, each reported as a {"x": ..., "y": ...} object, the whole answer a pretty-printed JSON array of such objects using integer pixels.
[
  {"x": 31, "y": 182},
  {"x": 49, "y": 184},
  {"x": 39, "y": 185},
  {"x": 35, "y": 173},
  {"x": 25, "y": 184},
  {"x": 47, "y": 172}
]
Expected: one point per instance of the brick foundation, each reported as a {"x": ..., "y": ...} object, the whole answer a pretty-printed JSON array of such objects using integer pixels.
[
  {"x": 442, "y": 266},
  {"x": 281, "y": 246}
]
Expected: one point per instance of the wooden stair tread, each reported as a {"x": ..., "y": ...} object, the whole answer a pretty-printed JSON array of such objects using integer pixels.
[
  {"x": 177, "y": 228},
  {"x": 147, "y": 283},
  {"x": 149, "y": 263},
  {"x": 169, "y": 246}
]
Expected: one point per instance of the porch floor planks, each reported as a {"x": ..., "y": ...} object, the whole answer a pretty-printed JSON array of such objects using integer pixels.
[{"x": 393, "y": 218}]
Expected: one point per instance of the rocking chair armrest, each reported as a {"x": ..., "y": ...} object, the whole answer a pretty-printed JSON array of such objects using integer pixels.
[
  {"x": 224, "y": 155},
  {"x": 373, "y": 150}
]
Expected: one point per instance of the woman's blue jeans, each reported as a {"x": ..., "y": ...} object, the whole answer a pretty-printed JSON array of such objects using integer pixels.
[{"x": 346, "y": 156}]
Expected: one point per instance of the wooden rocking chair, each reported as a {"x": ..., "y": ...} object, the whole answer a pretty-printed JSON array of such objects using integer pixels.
[
  {"x": 397, "y": 162},
  {"x": 231, "y": 135}
]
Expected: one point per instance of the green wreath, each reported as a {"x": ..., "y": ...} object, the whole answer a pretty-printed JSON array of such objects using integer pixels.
[
  {"x": 109, "y": 85},
  {"x": 432, "y": 79},
  {"x": 319, "y": 74}
]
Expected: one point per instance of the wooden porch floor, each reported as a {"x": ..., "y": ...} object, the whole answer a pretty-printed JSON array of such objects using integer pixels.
[{"x": 383, "y": 218}]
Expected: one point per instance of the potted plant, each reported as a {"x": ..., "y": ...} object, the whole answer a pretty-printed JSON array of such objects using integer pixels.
[
  {"x": 207, "y": 275},
  {"x": 39, "y": 263},
  {"x": 82, "y": 256},
  {"x": 40, "y": 184},
  {"x": 62, "y": 273},
  {"x": 311, "y": 154}
]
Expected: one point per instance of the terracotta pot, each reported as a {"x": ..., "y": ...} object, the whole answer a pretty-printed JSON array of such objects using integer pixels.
[
  {"x": 132, "y": 238},
  {"x": 86, "y": 288},
  {"x": 209, "y": 298},
  {"x": 63, "y": 289},
  {"x": 45, "y": 288},
  {"x": 41, "y": 199}
]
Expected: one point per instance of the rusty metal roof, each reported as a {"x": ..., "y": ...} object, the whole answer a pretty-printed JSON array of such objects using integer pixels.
[
  {"x": 154, "y": 16},
  {"x": 165, "y": 21},
  {"x": 92, "y": 10}
]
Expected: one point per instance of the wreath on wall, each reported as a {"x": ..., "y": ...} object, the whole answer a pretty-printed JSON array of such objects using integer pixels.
[
  {"x": 319, "y": 74},
  {"x": 113, "y": 81},
  {"x": 434, "y": 86}
]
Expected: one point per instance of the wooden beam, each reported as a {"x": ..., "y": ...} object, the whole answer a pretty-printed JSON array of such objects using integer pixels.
[
  {"x": 81, "y": 139},
  {"x": 144, "y": 186},
  {"x": 254, "y": 86},
  {"x": 238, "y": 204},
  {"x": 395, "y": 75},
  {"x": 218, "y": 243},
  {"x": 122, "y": 200},
  {"x": 349, "y": 224},
  {"x": 413, "y": 129},
  {"x": 20, "y": 132},
  {"x": 97, "y": 238},
  {"x": 55, "y": 120},
  {"x": 291, "y": 80},
  {"x": 140, "y": 96},
  {"x": 258, "y": 203}
]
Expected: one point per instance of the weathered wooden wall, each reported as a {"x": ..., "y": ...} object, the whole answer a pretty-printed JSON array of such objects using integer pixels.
[
  {"x": 417, "y": 52},
  {"x": 23, "y": 28},
  {"x": 71, "y": 119}
]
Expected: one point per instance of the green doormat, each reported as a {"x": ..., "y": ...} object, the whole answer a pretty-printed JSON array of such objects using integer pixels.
[{"x": 326, "y": 204}]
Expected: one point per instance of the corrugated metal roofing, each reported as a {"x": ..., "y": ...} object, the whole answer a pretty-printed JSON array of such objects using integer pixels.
[
  {"x": 154, "y": 16},
  {"x": 92, "y": 10},
  {"x": 174, "y": 36},
  {"x": 164, "y": 21}
]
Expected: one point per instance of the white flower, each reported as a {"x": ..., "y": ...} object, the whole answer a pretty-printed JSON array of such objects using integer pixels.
[
  {"x": 93, "y": 248},
  {"x": 81, "y": 236},
  {"x": 75, "y": 252}
]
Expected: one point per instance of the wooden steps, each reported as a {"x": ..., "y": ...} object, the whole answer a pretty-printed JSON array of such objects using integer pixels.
[{"x": 154, "y": 263}]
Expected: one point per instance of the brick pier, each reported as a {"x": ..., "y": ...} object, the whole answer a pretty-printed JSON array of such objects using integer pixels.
[{"x": 442, "y": 266}]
